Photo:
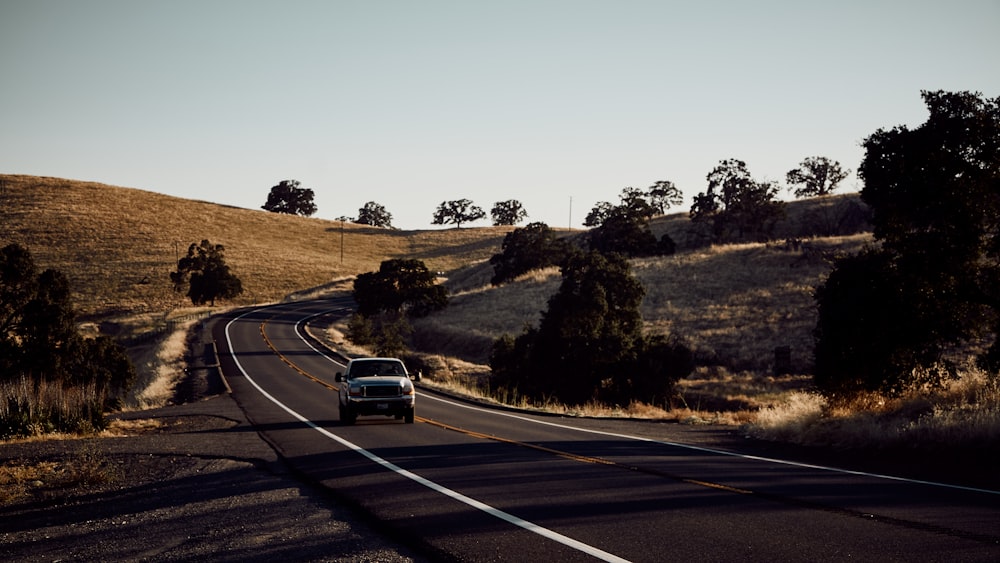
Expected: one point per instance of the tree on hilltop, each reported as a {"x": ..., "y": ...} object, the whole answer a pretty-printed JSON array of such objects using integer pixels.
[
  {"x": 288, "y": 197},
  {"x": 816, "y": 176},
  {"x": 624, "y": 228},
  {"x": 456, "y": 212},
  {"x": 736, "y": 207},
  {"x": 663, "y": 195},
  {"x": 636, "y": 203},
  {"x": 375, "y": 215},
  {"x": 598, "y": 214},
  {"x": 510, "y": 212}
]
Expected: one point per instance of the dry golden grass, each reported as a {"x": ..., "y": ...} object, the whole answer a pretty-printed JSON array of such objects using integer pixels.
[
  {"x": 118, "y": 245},
  {"x": 28, "y": 407},
  {"x": 964, "y": 412},
  {"x": 733, "y": 304}
]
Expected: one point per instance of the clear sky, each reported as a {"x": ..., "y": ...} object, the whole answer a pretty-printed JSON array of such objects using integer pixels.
[{"x": 558, "y": 104}]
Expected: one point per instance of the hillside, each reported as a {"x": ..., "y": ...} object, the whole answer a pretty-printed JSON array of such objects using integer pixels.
[
  {"x": 118, "y": 245},
  {"x": 734, "y": 304}
]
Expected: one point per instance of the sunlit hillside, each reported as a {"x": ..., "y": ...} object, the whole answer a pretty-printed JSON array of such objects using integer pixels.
[
  {"x": 734, "y": 304},
  {"x": 118, "y": 245}
]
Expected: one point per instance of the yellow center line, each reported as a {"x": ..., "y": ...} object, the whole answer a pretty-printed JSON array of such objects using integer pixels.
[
  {"x": 290, "y": 363},
  {"x": 585, "y": 459}
]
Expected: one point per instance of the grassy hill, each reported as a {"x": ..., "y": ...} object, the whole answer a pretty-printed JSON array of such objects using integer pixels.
[
  {"x": 118, "y": 245},
  {"x": 734, "y": 304}
]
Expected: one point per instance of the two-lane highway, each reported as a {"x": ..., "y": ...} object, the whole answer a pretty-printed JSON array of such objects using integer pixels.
[{"x": 480, "y": 484}]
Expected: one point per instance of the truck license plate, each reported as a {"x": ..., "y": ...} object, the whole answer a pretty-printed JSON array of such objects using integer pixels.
[{"x": 382, "y": 406}]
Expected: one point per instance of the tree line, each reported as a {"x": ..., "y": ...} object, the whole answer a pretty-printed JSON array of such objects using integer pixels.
[
  {"x": 289, "y": 197},
  {"x": 733, "y": 201}
]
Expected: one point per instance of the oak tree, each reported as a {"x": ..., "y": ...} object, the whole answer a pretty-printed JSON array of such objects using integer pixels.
[
  {"x": 663, "y": 195},
  {"x": 456, "y": 212},
  {"x": 816, "y": 176},
  {"x": 401, "y": 285},
  {"x": 510, "y": 212},
  {"x": 288, "y": 197},
  {"x": 205, "y": 272},
  {"x": 532, "y": 247},
  {"x": 375, "y": 215},
  {"x": 736, "y": 207}
]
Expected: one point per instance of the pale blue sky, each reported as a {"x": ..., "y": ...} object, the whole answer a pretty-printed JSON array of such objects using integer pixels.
[{"x": 411, "y": 103}]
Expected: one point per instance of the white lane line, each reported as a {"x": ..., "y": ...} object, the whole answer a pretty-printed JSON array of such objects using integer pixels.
[
  {"x": 714, "y": 451},
  {"x": 298, "y": 332},
  {"x": 510, "y": 518}
]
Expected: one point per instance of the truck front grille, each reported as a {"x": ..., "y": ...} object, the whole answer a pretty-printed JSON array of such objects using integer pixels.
[{"x": 382, "y": 391}]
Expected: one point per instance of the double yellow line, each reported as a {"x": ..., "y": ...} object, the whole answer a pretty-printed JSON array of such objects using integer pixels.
[{"x": 290, "y": 363}]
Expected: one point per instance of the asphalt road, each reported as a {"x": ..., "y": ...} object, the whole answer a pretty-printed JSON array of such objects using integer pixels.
[{"x": 472, "y": 483}]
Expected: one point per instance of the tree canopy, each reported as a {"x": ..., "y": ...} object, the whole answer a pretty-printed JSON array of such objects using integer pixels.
[
  {"x": 456, "y": 212},
  {"x": 375, "y": 215},
  {"x": 205, "y": 272},
  {"x": 816, "y": 176},
  {"x": 510, "y": 212},
  {"x": 624, "y": 228},
  {"x": 934, "y": 281},
  {"x": 288, "y": 197},
  {"x": 663, "y": 195},
  {"x": 656, "y": 199},
  {"x": 532, "y": 247},
  {"x": 736, "y": 207},
  {"x": 399, "y": 286}
]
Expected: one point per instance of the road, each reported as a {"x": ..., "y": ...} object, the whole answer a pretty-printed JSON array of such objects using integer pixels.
[{"x": 471, "y": 483}]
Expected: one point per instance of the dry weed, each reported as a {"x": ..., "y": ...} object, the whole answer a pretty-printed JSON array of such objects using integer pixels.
[
  {"x": 964, "y": 412},
  {"x": 87, "y": 466}
]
